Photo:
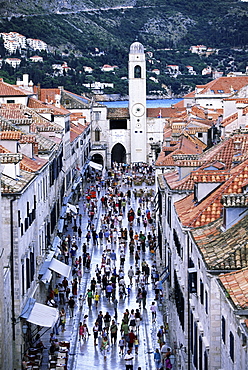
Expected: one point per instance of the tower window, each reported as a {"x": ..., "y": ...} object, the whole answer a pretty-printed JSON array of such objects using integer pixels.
[
  {"x": 137, "y": 72},
  {"x": 97, "y": 134}
]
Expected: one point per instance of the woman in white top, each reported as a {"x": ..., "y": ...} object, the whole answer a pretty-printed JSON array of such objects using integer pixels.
[{"x": 132, "y": 320}]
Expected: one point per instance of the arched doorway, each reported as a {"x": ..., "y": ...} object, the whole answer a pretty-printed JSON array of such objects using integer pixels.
[
  {"x": 118, "y": 154},
  {"x": 97, "y": 158}
]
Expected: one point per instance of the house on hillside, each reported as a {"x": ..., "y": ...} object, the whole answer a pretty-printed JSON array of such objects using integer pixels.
[
  {"x": 108, "y": 68},
  {"x": 198, "y": 49},
  {"x": 173, "y": 69},
  {"x": 36, "y": 59},
  {"x": 14, "y": 62}
]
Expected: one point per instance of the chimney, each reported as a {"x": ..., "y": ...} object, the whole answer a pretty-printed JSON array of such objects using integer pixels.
[
  {"x": 188, "y": 108},
  {"x": 39, "y": 91},
  {"x": 11, "y": 164},
  {"x": 35, "y": 149}
]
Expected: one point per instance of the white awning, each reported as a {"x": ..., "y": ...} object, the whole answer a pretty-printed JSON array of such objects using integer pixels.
[
  {"x": 97, "y": 166},
  {"x": 61, "y": 225},
  {"x": 47, "y": 276},
  {"x": 60, "y": 267},
  {"x": 71, "y": 207},
  {"x": 43, "y": 315},
  {"x": 56, "y": 242}
]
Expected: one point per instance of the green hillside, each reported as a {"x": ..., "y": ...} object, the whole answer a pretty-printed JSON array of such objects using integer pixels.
[{"x": 74, "y": 29}]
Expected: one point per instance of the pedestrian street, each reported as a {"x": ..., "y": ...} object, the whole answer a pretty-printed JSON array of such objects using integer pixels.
[{"x": 83, "y": 353}]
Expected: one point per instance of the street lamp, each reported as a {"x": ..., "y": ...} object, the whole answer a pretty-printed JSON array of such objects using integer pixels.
[
  {"x": 24, "y": 328},
  {"x": 172, "y": 359}
]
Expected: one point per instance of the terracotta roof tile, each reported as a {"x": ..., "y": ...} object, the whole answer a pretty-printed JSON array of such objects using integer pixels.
[
  {"x": 236, "y": 285},
  {"x": 10, "y": 135},
  {"x": 47, "y": 95},
  {"x": 10, "y": 90},
  {"x": 165, "y": 112},
  {"x": 191, "y": 212},
  {"x": 229, "y": 119},
  {"x": 11, "y": 186},
  {"x": 223, "y": 250},
  {"x": 34, "y": 103},
  {"x": 32, "y": 164},
  {"x": 76, "y": 130},
  {"x": 226, "y": 85}
]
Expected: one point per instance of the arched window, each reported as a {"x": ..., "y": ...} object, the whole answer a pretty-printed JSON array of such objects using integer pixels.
[
  {"x": 137, "y": 72},
  {"x": 97, "y": 134}
]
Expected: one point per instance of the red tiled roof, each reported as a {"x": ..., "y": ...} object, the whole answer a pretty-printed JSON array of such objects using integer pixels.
[
  {"x": 223, "y": 250},
  {"x": 185, "y": 145},
  {"x": 76, "y": 130},
  {"x": 10, "y": 135},
  {"x": 229, "y": 119},
  {"x": 165, "y": 112},
  {"x": 190, "y": 95},
  {"x": 10, "y": 90},
  {"x": 194, "y": 214},
  {"x": 226, "y": 84},
  {"x": 35, "y": 103},
  {"x": 47, "y": 95},
  {"x": 28, "y": 164},
  {"x": 13, "y": 111},
  {"x": 236, "y": 285},
  {"x": 32, "y": 164}
]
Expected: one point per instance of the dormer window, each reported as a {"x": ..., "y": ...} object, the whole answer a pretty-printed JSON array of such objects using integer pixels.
[{"x": 237, "y": 145}]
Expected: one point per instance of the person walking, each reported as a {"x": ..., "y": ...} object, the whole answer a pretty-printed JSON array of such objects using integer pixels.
[
  {"x": 157, "y": 358},
  {"x": 96, "y": 298},
  {"x": 136, "y": 345},
  {"x": 80, "y": 331},
  {"x": 71, "y": 305},
  {"x": 62, "y": 316},
  {"x": 125, "y": 330},
  {"x": 107, "y": 320},
  {"x": 109, "y": 289},
  {"x": 129, "y": 360},
  {"x": 165, "y": 352},
  {"x": 144, "y": 295},
  {"x": 153, "y": 309},
  {"x": 130, "y": 274},
  {"x": 115, "y": 302},
  {"x": 113, "y": 332},
  {"x": 122, "y": 344},
  {"x": 160, "y": 335},
  {"x": 95, "y": 332},
  {"x": 104, "y": 346},
  {"x": 113, "y": 258},
  {"x": 89, "y": 297}
]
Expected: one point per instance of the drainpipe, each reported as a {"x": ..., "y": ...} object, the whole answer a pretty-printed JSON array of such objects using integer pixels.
[{"x": 12, "y": 281}]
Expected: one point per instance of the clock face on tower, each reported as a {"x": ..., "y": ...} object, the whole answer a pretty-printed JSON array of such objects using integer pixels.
[{"x": 138, "y": 109}]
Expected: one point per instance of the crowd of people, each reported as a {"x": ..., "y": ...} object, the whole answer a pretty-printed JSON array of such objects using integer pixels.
[{"x": 120, "y": 223}]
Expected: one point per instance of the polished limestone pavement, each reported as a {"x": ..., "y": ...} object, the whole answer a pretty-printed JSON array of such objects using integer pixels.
[{"x": 83, "y": 354}]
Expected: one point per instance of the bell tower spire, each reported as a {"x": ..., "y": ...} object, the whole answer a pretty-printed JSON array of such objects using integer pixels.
[{"x": 137, "y": 102}]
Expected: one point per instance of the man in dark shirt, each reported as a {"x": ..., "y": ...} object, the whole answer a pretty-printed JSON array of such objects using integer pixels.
[{"x": 71, "y": 305}]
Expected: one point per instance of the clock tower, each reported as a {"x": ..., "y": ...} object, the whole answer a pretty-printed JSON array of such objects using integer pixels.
[{"x": 137, "y": 102}]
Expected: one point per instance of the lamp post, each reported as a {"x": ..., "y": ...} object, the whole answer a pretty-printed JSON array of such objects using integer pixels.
[
  {"x": 172, "y": 359},
  {"x": 24, "y": 328}
]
